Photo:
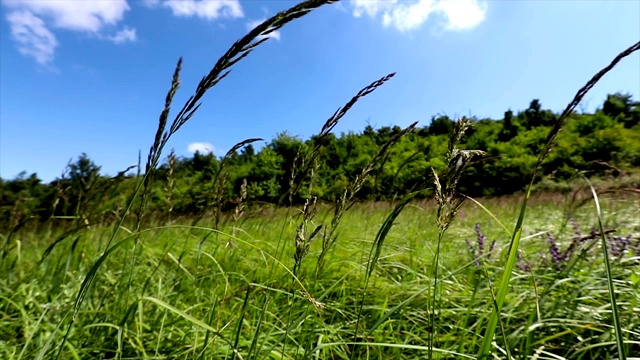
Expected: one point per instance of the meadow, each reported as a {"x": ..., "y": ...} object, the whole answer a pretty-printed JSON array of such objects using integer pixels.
[
  {"x": 431, "y": 274},
  {"x": 188, "y": 292}
]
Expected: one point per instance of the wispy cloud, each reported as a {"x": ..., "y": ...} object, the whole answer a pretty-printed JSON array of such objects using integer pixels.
[
  {"x": 87, "y": 15},
  {"x": 33, "y": 38},
  {"x": 207, "y": 9},
  {"x": 31, "y": 21},
  {"x": 201, "y": 147},
  {"x": 124, "y": 35},
  {"x": 404, "y": 16},
  {"x": 274, "y": 34}
]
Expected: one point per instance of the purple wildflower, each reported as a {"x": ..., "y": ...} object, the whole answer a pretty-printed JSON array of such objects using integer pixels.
[
  {"x": 478, "y": 250},
  {"x": 576, "y": 228},
  {"x": 556, "y": 257},
  {"x": 481, "y": 240},
  {"x": 618, "y": 245},
  {"x": 470, "y": 246}
]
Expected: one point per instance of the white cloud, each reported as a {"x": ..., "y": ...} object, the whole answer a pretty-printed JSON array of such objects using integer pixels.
[
  {"x": 201, "y": 147},
  {"x": 372, "y": 7},
  {"x": 124, "y": 35},
  {"x": 31, "y": 22},
  {"x": 405, "y": 16},
  {"x": 87, "y": 15},
  {"x": 274, "y": 34},
  {"x": 33, "y": 38},
  {"x": 463, "y": 14},
  {"x": 208, "y": 9}
]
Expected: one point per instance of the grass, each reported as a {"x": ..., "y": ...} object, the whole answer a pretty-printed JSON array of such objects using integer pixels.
[
  {"x": 337, "y": 281},
  {"x": 193, "y": 300}
]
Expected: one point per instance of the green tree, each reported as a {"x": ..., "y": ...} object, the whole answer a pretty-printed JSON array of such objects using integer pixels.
[
  {"x": 623, "y": 109},
  {"x": 441, "y": 125},
  {"x": 535, "y": 116},
  {"x": 76, "y": 195},
  {"x": 510, "y": 127}
]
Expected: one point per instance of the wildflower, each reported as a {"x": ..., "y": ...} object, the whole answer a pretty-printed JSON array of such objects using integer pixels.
[
  {"x": 556, "y": 257},
  {"x": 576, "y": 229},
  {"x": 481, "y": 241},
  {"x": 618, "y": 245}
]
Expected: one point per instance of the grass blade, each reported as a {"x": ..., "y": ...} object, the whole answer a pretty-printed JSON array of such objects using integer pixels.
[
  {"x": 483, "y": 352},
  {"x": 376, "y": 249},
  {"x": 47, "y": 345},
  {"x": 239, "y": 328},
  {"x": 187, "y": 317},
  {"x": 612, "y": 292}
]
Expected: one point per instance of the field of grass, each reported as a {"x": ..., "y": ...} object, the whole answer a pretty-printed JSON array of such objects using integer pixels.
[
  {"x": 188, "y": 292},
  {"x": 408, "y": 280}
]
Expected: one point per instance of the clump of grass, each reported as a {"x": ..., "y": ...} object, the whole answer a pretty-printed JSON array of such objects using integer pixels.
[
  {"x": 485, "y": 347},
  {"x": 184, "y": 301},
  {"x": 212, "y": 314},
  {"x": 449, "y": 202},
  {"x": 619, "y": 335},
  {"x": 347, "y": 199},
  {"x": 220, "y": 70},
  {"x": 306, "y": 163},
  {"x": 221, "y": 178}
]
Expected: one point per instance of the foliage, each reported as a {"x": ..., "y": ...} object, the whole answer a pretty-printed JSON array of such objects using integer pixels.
[
  {"x": 181, "y": 289},
  {"x": 601, "y": 144},
  {"x": 234, "y": 284}
]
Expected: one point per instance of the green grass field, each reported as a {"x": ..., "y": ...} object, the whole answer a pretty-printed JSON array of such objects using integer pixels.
[
  {"x": 187, "y": 292},
  {"x": 404, "y": 280}
]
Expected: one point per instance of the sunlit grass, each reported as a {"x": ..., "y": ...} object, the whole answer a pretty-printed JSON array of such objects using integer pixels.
[
  {"x": 381, "y": 281},
  {"x": 186, "y": 299}
]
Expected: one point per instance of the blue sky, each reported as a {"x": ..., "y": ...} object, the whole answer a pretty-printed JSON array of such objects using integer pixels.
[{"x": 91, "y": 76}]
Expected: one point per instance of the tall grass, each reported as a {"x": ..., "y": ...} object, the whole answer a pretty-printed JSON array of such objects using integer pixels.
[
  {"x": 517, "y": 232},
  {"x": 189, "y": 302},
  {"x": 384, "y": 284}
]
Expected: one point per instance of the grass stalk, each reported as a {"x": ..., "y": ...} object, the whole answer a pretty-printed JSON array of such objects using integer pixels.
[
  {"x": 612, "y": 291},
  {"x": 485, "y": 347},
  {"x": 220, "y": 70},
  {"x": 376, "y": 249},
  {"x": 449, "y": 202}
]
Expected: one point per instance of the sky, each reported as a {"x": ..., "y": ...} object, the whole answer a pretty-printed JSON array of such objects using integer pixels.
[{"x": 91, "y": 76}]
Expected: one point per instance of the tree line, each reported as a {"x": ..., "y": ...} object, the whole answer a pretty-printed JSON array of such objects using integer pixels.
[{"x": 605, "y": 142}]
